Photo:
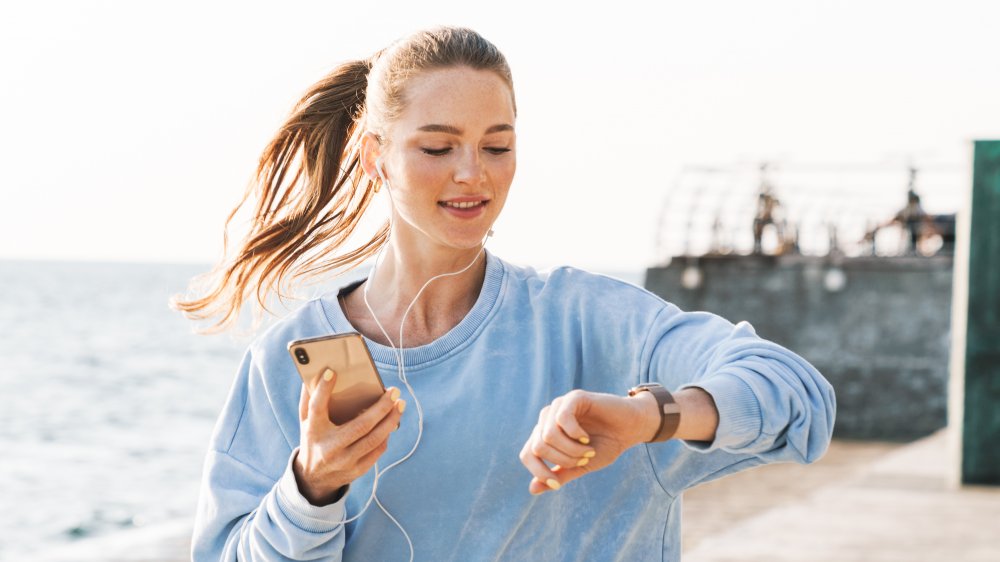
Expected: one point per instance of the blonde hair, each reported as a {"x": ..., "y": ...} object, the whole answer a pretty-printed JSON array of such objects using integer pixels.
[{"x": 309, "y": 191}]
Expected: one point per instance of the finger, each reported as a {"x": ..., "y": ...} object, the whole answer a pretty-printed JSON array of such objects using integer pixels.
[
  {"x": 537, "y": 487},
  {"x": 526, "y": 448},
  {"x": 566, "y": 417},
  {"x": 544, "y": 413},
  {"x": 541, "y": 448},
  {"x": 362, "y": 425},
  {"x": 379, "y": 434},
  {"x": 365, "y": 463},
  {"x": 568, "y": 451},
  {"x": 319, "y": 400},
  {"x": 303, "y": 404},
  {"x": 563, "y": 475},
  {"x": 539, "y": 470}
]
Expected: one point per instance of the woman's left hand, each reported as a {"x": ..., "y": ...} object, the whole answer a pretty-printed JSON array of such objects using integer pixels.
[{"x": 581, "y": 432}]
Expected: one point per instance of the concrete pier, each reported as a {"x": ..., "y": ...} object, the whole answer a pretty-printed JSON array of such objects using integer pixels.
[
  {"x": 861, "y": 502},
  {"x": 877, "y": 328}
]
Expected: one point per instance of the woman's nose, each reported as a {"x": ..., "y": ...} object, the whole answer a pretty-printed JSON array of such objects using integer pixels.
[{"x": 470, "y": 167}]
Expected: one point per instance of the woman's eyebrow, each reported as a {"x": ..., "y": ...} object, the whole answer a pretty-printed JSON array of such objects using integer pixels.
[
  {"x": 499, "y": 128},
  {"x": 435, "y": 128}
]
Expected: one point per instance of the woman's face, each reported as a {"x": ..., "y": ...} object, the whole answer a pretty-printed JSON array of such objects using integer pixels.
[{"x": 449, "y": 157}]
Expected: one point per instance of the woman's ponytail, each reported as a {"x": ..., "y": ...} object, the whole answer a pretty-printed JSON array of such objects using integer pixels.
[{"x": 308, "y": 196}]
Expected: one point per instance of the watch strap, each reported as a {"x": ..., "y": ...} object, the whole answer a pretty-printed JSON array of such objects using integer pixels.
[{"x": 670, "y": 411}]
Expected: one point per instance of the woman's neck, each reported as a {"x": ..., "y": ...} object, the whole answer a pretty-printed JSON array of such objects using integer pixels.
[{"x": 396, "y": 282}]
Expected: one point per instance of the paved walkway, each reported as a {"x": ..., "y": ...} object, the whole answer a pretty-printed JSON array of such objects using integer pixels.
[{"x": 872, "y": 502}]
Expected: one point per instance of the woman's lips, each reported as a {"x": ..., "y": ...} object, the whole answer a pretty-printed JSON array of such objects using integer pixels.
[{"x": 464, "y": 208}]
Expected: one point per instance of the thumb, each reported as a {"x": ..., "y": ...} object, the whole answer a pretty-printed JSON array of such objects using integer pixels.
[{"x": 319, "y": 401}]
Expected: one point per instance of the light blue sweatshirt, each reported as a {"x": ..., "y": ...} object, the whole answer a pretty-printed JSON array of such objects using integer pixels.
[{"x": 463, "y": 495}]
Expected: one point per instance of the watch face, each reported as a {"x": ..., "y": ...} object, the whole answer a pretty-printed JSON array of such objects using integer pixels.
[{"x": 644, "y": 386}]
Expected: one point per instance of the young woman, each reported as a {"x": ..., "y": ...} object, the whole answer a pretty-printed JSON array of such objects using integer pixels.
[{"x": 524, "y": 442}]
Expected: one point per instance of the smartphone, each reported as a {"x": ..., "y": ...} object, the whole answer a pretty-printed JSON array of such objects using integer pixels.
[{"x": 358, "y": 383}]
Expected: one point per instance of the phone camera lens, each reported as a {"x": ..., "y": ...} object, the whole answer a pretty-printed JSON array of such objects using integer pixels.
[{"x": 302, "y": 356}]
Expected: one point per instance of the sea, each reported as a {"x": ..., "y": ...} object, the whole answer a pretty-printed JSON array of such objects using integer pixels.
[{"x": 107, "y": 401}]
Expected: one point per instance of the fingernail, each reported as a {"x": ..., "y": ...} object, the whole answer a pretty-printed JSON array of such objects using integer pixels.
[
  {"x": 582, "y": 462},
  {"x": 401, "y": 406},
  {"x": 327, "y": 375},
  {"x": 393, "y": 394},
  {"x": 553, "y": 483},
  {"x": 590, "y": 454},
  {"x": 585, "y": 440},
  {"x": 397, "y": 426}
]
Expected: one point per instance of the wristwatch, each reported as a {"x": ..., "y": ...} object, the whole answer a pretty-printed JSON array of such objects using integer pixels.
[{"x": 670, "y": 411}]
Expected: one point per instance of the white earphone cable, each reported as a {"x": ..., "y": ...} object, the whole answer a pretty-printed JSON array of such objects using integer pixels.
[
  {"x": 401, "y": 371},
  {"x": 400, "y": 363}
]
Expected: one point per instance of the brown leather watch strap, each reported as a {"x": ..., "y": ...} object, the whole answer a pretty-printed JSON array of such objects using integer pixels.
[{"x": 670, "y": 412}]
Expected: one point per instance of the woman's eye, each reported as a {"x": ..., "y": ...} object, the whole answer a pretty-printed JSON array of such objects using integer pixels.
[
  {"x": 497, "y": 149},
  {"x": 436, "y": 151}
]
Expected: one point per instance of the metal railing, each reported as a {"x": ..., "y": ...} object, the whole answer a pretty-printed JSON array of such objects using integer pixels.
[{"x": 822, "y": 208}]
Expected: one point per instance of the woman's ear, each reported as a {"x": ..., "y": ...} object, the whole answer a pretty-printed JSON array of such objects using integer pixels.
[{"x": 371, "y": 151}]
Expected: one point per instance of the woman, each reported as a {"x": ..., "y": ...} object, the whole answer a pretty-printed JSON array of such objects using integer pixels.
[{"x": 523, "y": 444}]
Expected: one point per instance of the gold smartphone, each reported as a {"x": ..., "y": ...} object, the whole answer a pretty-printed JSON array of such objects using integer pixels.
[{"x": 358, "y": 383}]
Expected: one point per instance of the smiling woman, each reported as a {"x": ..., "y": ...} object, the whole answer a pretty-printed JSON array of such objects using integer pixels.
[
  {"x": 524, "y": 444},
  {"x": 449, "y": 161}
]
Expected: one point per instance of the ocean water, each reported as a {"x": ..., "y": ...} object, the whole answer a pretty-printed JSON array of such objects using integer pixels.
[{"x": 107, "y": 401}]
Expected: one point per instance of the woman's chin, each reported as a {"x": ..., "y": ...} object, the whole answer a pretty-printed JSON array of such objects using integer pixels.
[
  {"x": 469, "y": 244},
  {"x": 465, "y": 238}
]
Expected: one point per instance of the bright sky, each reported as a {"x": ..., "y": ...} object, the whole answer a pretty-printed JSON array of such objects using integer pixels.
[{"x": 129, "y": 129}]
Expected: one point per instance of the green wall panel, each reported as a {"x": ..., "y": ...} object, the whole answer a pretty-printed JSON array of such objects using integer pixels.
[{"x": 981, "y": 424}]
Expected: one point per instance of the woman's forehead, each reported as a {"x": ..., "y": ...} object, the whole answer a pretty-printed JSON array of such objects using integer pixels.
[{"x": 458, "y": 98}]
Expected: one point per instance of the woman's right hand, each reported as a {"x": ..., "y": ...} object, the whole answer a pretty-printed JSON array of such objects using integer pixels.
[{"x": 332, "y": 456}]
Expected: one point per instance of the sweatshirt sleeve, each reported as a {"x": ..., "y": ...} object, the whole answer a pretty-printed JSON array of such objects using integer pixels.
[
  {"x": 249, "y": 506},
  {"x": 773, "y": 405}
]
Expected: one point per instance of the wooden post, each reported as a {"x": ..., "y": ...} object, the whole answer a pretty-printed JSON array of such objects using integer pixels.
[{"x": 975, "y": 365}]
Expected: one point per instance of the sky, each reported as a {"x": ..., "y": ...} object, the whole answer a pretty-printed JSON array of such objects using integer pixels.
[{"x": 128, "y": 130}]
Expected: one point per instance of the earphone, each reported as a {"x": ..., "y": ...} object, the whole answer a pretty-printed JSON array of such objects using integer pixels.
[{"x": 400, "y": 364}]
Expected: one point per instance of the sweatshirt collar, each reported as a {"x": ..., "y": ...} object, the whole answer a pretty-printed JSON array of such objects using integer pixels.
[{"x": 439, "y": 349}]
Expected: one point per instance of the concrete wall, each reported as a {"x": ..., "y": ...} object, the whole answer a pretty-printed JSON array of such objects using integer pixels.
[{"x": 882, "y": 339}]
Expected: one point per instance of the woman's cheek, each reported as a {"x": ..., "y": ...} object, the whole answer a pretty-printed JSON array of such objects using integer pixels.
[
  {"x": 429, "y": 173},
  {"x": 502, "y": 172}
]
